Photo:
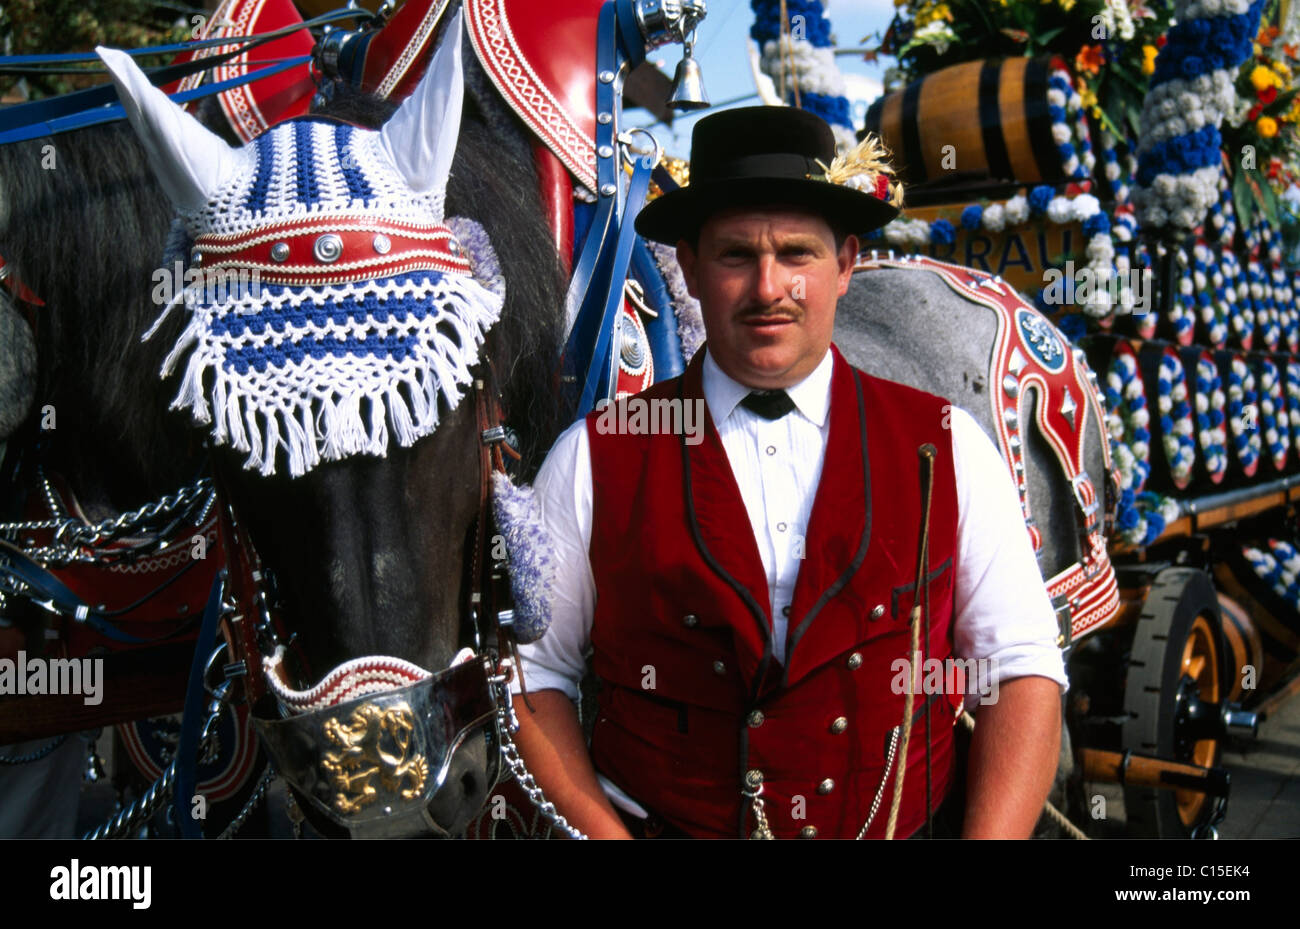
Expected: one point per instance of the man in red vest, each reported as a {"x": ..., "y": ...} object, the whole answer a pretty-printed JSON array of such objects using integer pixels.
[{"x": 765, "y": 597}]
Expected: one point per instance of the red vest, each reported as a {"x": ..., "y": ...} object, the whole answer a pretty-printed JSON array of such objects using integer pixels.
[{"x": 691, "y": 698}]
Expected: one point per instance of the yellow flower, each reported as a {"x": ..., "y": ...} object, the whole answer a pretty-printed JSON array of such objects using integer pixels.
[
  {"x": 1284, "y": 72},
  {"x": 1267, "y": 126},
  {"x": 1262, "y": 77},
  {"x": 1067, "y": 5},
  {"x": 1088, "y": 98},
  {"x": 1149, "y": 53}
]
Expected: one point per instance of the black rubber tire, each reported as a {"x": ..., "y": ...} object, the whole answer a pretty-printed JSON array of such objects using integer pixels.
[{"x": 1177, "y": 597}]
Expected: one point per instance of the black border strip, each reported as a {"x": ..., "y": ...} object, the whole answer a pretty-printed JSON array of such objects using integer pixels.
[
  {"x": 995, "y": 145},
  {"x": 913, "y": 154}
]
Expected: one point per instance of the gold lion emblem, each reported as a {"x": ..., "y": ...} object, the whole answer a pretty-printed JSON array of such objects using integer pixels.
[{"x": 375, "y": 746}]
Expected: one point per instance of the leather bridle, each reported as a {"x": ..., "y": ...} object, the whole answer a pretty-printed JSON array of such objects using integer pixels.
[{"x": 378, "y": 714}]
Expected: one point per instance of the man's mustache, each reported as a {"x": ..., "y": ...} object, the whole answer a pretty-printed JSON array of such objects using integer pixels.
[{"x": 769, "y": 312}]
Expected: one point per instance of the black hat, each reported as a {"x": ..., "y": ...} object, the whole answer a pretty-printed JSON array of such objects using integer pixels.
[{"x": 759, "y": 155}]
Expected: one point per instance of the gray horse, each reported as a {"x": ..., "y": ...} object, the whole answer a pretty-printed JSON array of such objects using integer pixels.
[{"x": 908, "y": 325}]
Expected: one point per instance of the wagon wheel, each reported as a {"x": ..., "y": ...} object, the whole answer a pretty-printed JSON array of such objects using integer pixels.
[{"x": 1172, "y": 699}]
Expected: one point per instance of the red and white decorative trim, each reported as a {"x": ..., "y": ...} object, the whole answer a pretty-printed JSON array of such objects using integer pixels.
[{"x": 496, "y": 46}]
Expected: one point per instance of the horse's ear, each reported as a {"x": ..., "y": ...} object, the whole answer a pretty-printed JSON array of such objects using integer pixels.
[
  {"x": 421, "y": 136},
  {"x": 191, "y": 162}
]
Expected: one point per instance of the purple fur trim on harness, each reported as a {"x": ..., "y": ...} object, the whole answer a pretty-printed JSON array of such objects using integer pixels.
[
  {"x": 528, "y": 551},
  {"x": 690, "y": 323},
  {"x": 480, "y": 253}
]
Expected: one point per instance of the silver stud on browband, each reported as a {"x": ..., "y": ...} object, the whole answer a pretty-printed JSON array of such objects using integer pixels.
[
  {"x": 280, "y": 252},
  {"x": 453, "y": 246},
  {"x": 382, "y": 244},
  {"x": 196, "y": 257},
  {"x": 328, "y": 248}
]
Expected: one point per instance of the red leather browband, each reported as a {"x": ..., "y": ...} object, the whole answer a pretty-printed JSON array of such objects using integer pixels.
[{"x": 322, "y": 250}]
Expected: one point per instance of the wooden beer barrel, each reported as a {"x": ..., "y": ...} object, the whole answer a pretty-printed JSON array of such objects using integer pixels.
[{"x": 993, "y": 112}]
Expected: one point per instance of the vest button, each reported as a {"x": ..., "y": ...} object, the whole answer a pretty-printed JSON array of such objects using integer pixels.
[
  {"x": 808, "y": 832},
  {"x": 826, "y": 787},
  {"x": 855, "y": 661},
  {"x": 690, "y": 620},
  {"x": 785, "y": 611},
  {"x": 756, "y": 719},
  {"x": 878, "y": 611},
  {"x": 719, "y": 668},
  {"x": 780, "y": 527},
  {"x": 753, "y": 779},
  {"x": 839, "y": 725},
  {"x": 771, "y": 449}
]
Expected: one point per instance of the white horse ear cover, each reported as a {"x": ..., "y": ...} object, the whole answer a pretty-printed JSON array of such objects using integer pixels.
[
  {"x": 421, "y": 136},
  {"x": 191, "y": 162},
  {"x": 332, "y": 306}
]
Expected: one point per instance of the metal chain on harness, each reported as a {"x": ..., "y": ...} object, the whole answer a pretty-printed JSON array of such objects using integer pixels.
[
  {"x": 73, "y": 535},
  {"x": 36, "y": 754},
  {"x": 507, "y": 724},
  {"x": 161, "y": 790}
]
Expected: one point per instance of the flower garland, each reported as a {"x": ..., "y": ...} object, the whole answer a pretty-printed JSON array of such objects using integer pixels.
[
  {"x": 1243, "y": 415},
  {"x": 1293, "y": 402},
  {"x": 1291, "y": 328},
  {"x": 1128, "y": 419},
  {"x": 1210, "y": 294},
  {"x": 1237, "y": 292},
  {"x": 1119, "y": 182},
  {"x": 1222, "y": 220},
  {"x": 1273, "y": 419},
  {"x": 802, "y": 60},
  {"x": 1279, "y": 568},
  {"x": 1073, "y": 143},
  {"x": 1151, "y": 514},
  {"x": 1182, "y": 309},
  {"x": 1190, "y": 92},
  {"x": 1176, "y": 424},
  {"x": 1210, "y": 418}
]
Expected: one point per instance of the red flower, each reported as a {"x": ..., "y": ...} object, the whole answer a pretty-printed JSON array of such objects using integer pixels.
[
  {"x": 1160, "y": 42},
  {"x": 1267, "y": 95},
  {"x": 1254, "y": 112}
]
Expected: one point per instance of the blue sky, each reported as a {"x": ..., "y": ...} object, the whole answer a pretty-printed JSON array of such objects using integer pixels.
[{"x": 721, "y": 50}]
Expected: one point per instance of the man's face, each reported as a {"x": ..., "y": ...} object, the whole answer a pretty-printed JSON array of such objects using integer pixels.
[{"x": 767, "y": 280}]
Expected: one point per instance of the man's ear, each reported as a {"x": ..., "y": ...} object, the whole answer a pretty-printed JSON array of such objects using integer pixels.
[
  {"x": 847, "y": 258},
  {"x": 686, "y": 258}
]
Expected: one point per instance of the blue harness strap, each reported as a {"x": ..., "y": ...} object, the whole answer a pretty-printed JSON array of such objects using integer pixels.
[
  {"x": 601, "y": 358},
  {"x": 56, "y": 596},
  {"x": 115, "y": 112},
  {"x": 47, "y": 116},
  {"x": 188, "y": 745}
]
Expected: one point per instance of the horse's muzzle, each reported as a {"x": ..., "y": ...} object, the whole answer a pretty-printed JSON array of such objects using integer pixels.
[{"x": 378, "y": 765}]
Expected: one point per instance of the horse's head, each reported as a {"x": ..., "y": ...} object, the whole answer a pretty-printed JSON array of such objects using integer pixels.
[{"x": 334, "y": 348}]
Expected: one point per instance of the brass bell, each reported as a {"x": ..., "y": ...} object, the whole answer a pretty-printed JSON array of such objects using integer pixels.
[{"x": 688, "y": 84}]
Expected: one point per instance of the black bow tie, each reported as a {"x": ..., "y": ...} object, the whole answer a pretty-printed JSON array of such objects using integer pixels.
[{"x": 769, "y": 404}]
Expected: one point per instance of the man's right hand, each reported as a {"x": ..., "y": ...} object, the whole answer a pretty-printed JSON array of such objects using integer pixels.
[{"x": 552, "y": 744}]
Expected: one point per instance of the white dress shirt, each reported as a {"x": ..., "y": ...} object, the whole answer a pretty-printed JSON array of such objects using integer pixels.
[{"x": 1000, "y": 605}]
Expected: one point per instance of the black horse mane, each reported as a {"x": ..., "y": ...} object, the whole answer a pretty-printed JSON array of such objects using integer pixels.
[{"x": 88, "y": 233}]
